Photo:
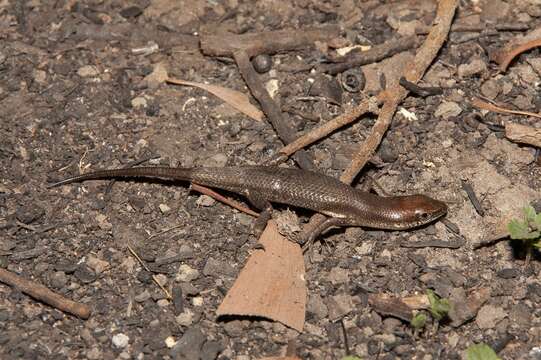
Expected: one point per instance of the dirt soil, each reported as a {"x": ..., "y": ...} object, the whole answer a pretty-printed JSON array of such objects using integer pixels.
[{"x": 79, "y": 92}]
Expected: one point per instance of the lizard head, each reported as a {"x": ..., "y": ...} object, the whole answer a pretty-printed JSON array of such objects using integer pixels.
[{"x": 414, "y": 210}]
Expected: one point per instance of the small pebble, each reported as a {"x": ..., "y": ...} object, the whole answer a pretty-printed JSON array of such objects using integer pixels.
[
  {"x": 164, "y": 208},
  {"x": 88, "y": 71},
  {"x": 120, "y": 340},
  {"x": 185, "y": 318},
  {"x": 262, "y": 63},
  {"x": 186, "y": 273}
]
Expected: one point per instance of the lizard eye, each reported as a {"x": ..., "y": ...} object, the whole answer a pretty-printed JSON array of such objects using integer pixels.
[{"x": 422, "y": 215}]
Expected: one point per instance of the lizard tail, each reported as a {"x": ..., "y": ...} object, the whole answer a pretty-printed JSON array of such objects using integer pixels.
[{"x": 157, "y": 172}]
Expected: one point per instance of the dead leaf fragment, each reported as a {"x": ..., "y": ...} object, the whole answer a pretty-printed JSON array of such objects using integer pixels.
[
  {"x": 272, "y": 283},
  {"x": 504, "y": 56},
  {"x": 236, "y": 99}
]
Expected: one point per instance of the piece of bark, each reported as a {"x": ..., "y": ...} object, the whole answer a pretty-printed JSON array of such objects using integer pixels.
[
  {"x": 272, "y": 284},
  {"x": 268, "y": 42},
  {"x": 523, "y": 134},
  {"x": 391, "y": 306}
]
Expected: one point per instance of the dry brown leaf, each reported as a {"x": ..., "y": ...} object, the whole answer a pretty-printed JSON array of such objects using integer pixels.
[
  {"x": 504, "y": 56},
  {"x": 478, "y": 103},
  {"x": 236, "y": 99},
  {"x": 272, "y": 284},
  {"x": 523, "y": 134}
]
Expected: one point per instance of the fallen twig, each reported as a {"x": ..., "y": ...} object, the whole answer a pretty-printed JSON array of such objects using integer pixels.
[
  {"x": 466, "y": 186},
  {"x": 504, "y": 56},
  {"x": 394, "y": 96},
  {"x": 368, "y": 105},
  {"x": 271, "y": 110},
  {"x": 375, "y": 54},
  {"x": 478, "y": 103},
  {"x": 213, "y": 194},
  {"x": 268, "y": 42},
  {"x": 144, "y": 265},
  {"x": 43, "y": 294},
  {"x": 420, "y": 90},
  {"x": 424, "y": 57}
]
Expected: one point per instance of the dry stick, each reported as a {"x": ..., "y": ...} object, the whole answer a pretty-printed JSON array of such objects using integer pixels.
[
  {"x": 269, "y": 42},
  {"x": 507, "y": 54},
  {"x": 223, "y": 199},
  {"x": 271, "y": 110},
  {"x": 368, "y": 105},
  {"x": 424, "y": 57},
  {"x": 394, "y": 96},
  {"x": 244, "y": 46},
  {"x": 375, "y": 54},
  {"x": 478, "y": 103},
  {"x": 41, "y": 293},
  {"x": 144, "y": 265}
]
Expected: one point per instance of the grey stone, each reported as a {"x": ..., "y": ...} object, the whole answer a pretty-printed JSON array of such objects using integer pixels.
[
  {"x": 210, "y": 350},
  {"x": 214, "y": 267},
  {"x": 59, "y": 280},
  {"x": 316, "y": 307},
  {"x": 339, "y": 306},
  {"x": 189, "y": 345}
]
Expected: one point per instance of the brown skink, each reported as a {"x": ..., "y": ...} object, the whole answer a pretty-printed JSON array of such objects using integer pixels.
[{"x": 345, "y": 205}]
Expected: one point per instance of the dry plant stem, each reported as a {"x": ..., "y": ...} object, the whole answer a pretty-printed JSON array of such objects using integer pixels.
[
  {"x": 507, "y": 54},
  {"x": 213, "y": 194},
  {"x": 375, "y": 54},
  {"x": 268, "y": 42},
  {"x": 43, "y": 294},
  {"x": 271, "y": 110},
  {"x": 478, "y": 103},
  {"x": 330, "y": 126},
  {"x": 144, "y": 265},
  {"x": 424, "y": 57}
]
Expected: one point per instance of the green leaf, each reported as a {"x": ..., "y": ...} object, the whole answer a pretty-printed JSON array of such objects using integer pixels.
[
  {"x": 529, "y": 213},
  {"x": 537, "y": 222},
  {"x": 521, "y": 231},
  {"x": 438, "y": 307},
  {"x": 418, "y": 321},
  {"x": 351, "y": 357},
  {"x": 481, "y": 352}
]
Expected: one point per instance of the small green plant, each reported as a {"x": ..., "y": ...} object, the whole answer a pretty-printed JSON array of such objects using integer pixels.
[
  {"x": 481, "y": 352},
  {"x": 528, "y": 230},
  {"x": 439, "y": 308},
  {"x": 418, "y": 321}
]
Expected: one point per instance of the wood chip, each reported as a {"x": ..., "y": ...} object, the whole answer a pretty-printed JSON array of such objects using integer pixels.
[
  {"x": 236, "y": 99},
  {"x": 523, "y": 134},
  {"x": 272, "y": 284}
]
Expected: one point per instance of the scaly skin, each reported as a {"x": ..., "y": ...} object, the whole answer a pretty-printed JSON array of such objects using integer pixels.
[{"x": 345, "y": 205}]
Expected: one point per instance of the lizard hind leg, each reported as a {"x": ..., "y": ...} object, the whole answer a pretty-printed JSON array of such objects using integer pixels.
[
  {"x": 261, "y": 203},
  {"x": 309, "y": 236}
]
